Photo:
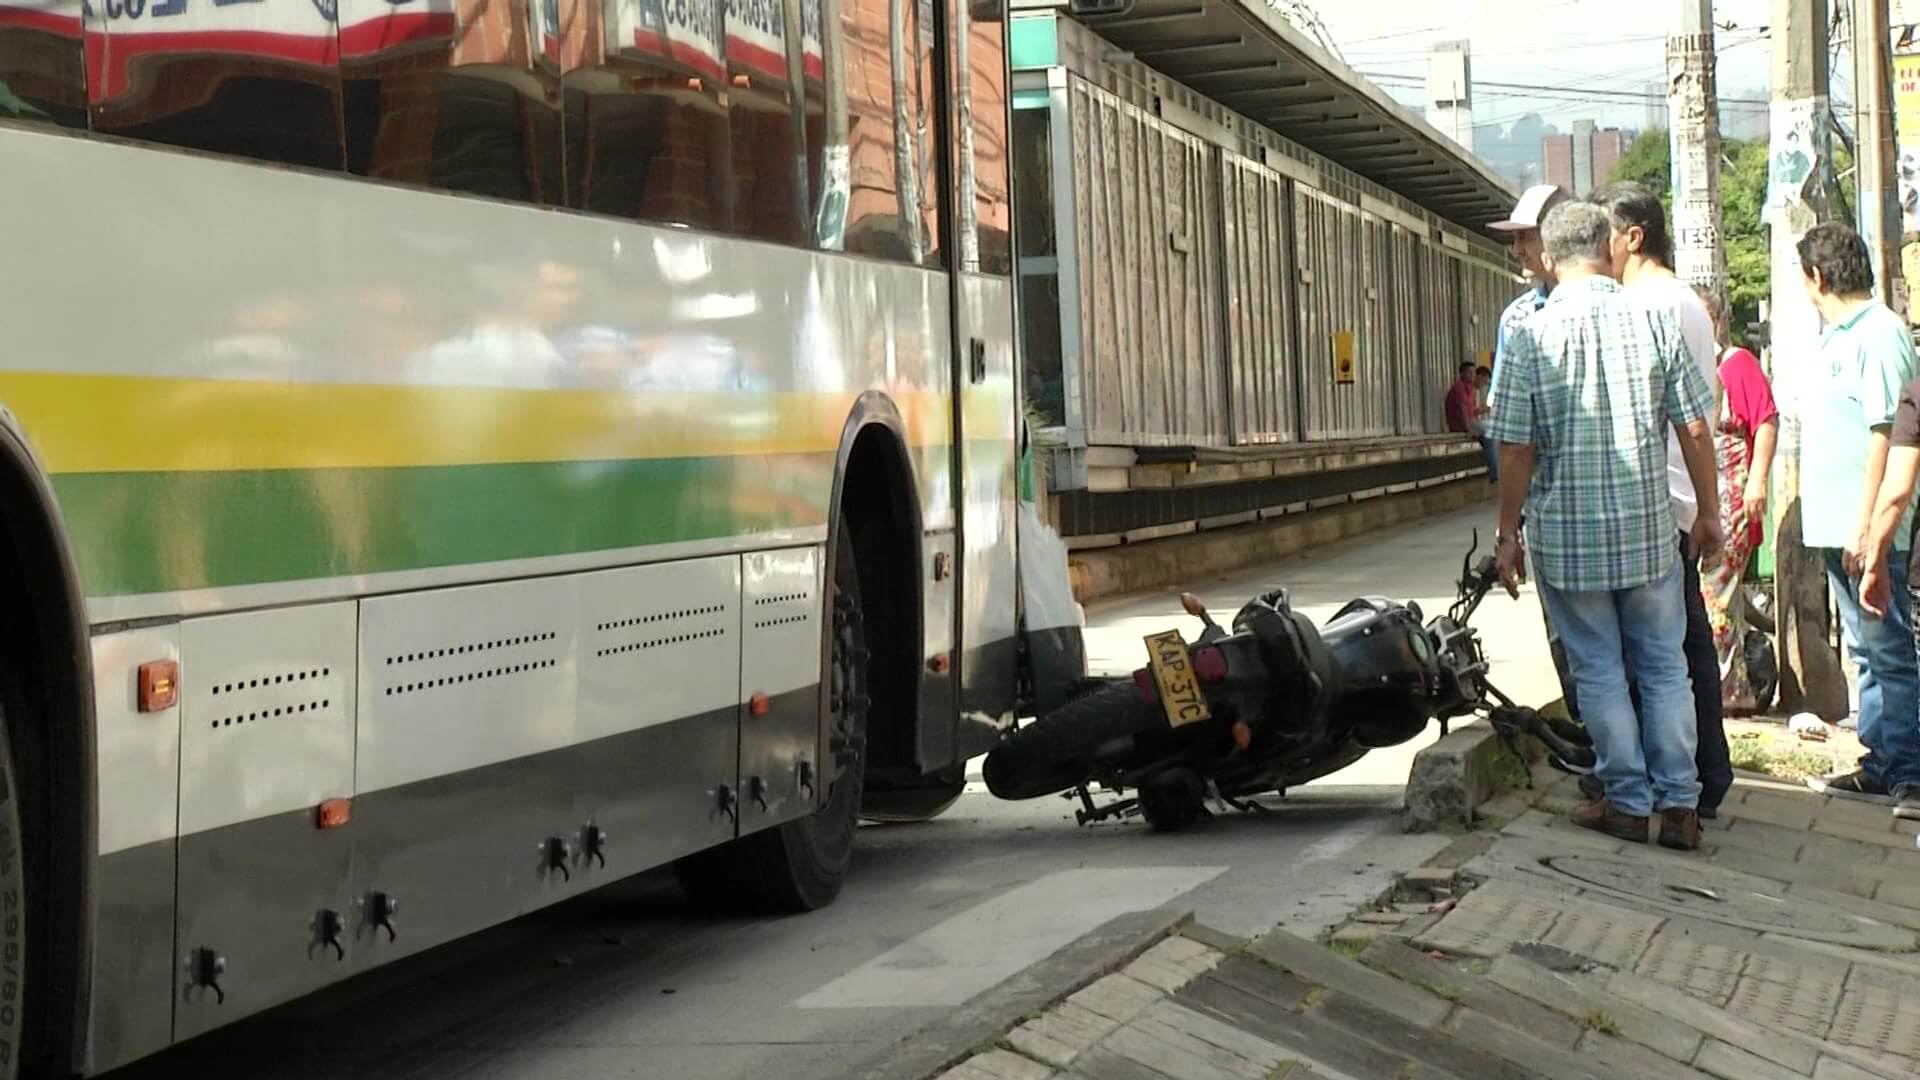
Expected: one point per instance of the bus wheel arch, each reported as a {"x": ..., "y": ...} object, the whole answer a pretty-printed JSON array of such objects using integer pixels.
[
  {"x": 45, "y": 707},
  {"x": 872, "y": 594},
  {"x": 876, "y": 499}
]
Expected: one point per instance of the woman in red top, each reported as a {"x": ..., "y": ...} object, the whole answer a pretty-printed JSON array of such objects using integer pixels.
[{"x": 1749, "y": 424}]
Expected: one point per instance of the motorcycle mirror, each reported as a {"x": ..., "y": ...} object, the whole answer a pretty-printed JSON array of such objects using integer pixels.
[{"x": 1194, "y": 607}]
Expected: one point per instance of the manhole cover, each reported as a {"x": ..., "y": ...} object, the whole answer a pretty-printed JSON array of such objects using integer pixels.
[{"x": 1733, "y": 899}]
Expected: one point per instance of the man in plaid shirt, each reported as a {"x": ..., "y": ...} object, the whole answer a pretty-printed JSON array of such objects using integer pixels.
[{"x": 1581, "y": 408}]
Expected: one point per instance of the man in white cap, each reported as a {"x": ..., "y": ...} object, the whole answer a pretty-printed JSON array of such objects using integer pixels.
[{"x": 1522, "y": 227}]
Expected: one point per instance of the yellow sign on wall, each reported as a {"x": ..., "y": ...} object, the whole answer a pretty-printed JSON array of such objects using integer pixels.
[
  {"x": 1343, "y": 356},
  {"x": 1906, "y": 98}
]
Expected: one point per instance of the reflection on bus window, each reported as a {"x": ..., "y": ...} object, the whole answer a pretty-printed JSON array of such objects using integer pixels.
[
  {"x": 878, "y": 155},
  {"x": 43, "y": 74},
  {"x": 459, "y": 95},
  {"x": 647, "y": 131},
  {"x": 768, "y": 202},
  {"x": 252, "y": 78},
  {"x": 980, "y": 121}
]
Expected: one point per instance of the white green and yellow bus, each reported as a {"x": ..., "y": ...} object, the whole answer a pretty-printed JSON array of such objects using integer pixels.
[{"x": 456, "y": 454}]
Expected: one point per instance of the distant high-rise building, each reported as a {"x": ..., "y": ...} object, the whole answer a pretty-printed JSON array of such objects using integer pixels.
[
  {"x": 1556, "y": 154},
  {"x": 1609, "y": 147},
  {"x": 1747, "y": 122},
  {"x": 1585, "y": 159},
  {"x": 1450, "y": 91}
]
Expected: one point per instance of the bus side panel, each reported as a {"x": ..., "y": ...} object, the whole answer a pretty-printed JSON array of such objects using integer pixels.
[
  {"x": 990, "y": 652},
  {"x": 500, "y": 724},
  {"x": 935, "y": 746},
  {"x": 266, "y": 736},
  {"x": 780, "y": 727},
  {"x": 131, "y": 1009}
]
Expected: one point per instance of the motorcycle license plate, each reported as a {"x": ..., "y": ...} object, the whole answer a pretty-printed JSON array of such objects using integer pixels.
[{"x": 1173, "y": 672}]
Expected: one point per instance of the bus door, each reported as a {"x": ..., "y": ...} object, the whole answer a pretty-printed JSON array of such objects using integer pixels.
[{"x": 986, "y": 397}]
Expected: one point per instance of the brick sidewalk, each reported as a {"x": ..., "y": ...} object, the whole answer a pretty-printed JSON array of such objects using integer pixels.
[{"x": 1786, "y": 948}]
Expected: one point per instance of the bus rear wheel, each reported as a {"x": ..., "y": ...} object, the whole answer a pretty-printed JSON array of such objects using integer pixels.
[
  {"x": 799, "y": 866},
  {"x": 15, "y": 961}
]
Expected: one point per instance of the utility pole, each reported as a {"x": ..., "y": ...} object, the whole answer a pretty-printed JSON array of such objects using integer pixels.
[
  {"x": 1876, "y": 156},
  {"x": 1693, "y": 104},
  {"x": 1800, "y": 170}
]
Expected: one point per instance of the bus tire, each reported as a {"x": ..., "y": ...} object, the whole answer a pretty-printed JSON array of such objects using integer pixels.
[
  {"x": 799, "y": 866},
  {"x": 16, "y": 961}
]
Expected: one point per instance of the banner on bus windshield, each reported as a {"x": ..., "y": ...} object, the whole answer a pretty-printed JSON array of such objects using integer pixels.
[{"x": 709, "y": 37}]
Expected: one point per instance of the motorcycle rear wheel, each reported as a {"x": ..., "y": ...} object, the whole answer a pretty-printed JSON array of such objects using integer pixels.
[{"x": 1062, "y": 748}]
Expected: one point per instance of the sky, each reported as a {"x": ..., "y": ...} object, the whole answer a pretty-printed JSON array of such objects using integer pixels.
[{"x": 1577, "y": 45}]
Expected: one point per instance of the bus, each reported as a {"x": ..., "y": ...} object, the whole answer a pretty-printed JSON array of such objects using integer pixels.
[{"x": 457, "y": 454}]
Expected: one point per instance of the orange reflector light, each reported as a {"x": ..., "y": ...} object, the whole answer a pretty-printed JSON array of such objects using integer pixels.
[
  {"x": 759, "y": 705},
  {"x": 159, "y": 685},
  {"x": 1242, "y": 734},
  {"x": 940, "y": 664},
  {"x": 333, "y": 813}
]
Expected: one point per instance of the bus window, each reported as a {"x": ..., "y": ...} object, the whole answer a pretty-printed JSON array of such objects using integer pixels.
[
  {"x": 255, "y": 79},
  {"x": 43, "y": 74},
  {"x": 465, "y": 103},
  {"x": 646, "y": 114},
  {"x": 767, "y": 199},
  {"x": 877, "y": 180},
  {"x": 980, "y": 125}
]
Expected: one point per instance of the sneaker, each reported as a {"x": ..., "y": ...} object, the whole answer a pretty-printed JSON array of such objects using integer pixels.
[
  {"x": 1600, "y": 816},
  {"x": 1851, "y": 785},
  {"x": 1591, "y": 787},
  {"x": 1680, "y": 829},
  {"x": 1906, "y": 801}
]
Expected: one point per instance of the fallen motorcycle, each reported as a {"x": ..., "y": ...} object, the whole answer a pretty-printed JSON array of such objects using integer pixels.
[{"x": 1270, "y": 705}]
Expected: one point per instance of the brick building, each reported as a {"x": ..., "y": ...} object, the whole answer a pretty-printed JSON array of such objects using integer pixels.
[{"x": 1585, "y": 159}]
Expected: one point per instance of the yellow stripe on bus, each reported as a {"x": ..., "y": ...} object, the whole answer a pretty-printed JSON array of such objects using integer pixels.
[{"x": 121, "y": 423}]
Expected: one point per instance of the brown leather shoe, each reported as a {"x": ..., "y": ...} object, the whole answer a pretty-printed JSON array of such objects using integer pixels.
[
  {"x": 1600, "y": 816},
  {"x": 1680, "y": 829}
]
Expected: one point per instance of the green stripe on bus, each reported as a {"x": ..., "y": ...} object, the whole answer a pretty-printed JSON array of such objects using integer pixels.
[{"x": 139, "y": 533}]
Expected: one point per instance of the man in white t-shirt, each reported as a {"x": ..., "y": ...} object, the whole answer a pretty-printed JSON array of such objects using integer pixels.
[{"x": 1643, "y": 261}]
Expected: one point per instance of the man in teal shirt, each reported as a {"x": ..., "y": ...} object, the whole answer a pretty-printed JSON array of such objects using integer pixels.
[{"x": 1847, "y": 409}]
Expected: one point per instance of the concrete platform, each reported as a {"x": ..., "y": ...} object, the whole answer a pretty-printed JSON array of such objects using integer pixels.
[{"x": 1788, "y": 947}]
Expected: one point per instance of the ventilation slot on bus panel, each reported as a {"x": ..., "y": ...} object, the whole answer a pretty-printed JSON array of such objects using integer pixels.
[
  {"x": 301, "y": 694},
  {"x": 784, "y": 609},
  {"x": 465, "y": 662},
  {"x": 655, "y": 630}
]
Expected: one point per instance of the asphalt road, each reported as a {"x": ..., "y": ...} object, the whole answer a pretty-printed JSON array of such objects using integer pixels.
[{"x": 631, "y": 981}]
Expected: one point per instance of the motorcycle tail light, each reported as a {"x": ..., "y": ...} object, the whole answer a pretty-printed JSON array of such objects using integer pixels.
[
  {"x": 1210, "y": 664},
  {"x": 1143, "y": 682}
]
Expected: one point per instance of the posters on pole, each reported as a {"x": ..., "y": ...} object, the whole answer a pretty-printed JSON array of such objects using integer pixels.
[
  {"x": 1791, "y": 151},
  {"x": 1906, "y": 117}
]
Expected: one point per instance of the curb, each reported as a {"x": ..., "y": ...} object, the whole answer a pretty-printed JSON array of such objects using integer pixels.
[
  {"x": 1452, "y": 779},
  {"x": 982, "y": 1021},
  {"x": 1103, "y": 573}
]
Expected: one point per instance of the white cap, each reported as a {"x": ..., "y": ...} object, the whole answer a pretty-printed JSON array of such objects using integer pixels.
[{"x": 1532, "y": 208}]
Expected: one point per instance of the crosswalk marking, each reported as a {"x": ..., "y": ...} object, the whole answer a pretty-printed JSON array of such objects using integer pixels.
[{"x": 953, "y": 960}]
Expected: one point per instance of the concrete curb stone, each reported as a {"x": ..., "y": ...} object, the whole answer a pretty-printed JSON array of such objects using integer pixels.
[{"x": 951, "y": 1040}]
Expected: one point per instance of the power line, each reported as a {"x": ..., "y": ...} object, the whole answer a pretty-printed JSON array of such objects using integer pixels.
[{"x": 1641, "y": 96}]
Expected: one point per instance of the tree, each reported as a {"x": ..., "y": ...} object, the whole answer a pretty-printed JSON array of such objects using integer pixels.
[
  {"x": 1743, "y": 193},
  {"x": 1648, "y": 163}
]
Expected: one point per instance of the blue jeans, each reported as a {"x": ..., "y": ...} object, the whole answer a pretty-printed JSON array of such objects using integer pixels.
[
  {"x": 1889, "y": 675},
  {"x": 1492, "y": 450},
  {"x": 1645, "y": 759}
]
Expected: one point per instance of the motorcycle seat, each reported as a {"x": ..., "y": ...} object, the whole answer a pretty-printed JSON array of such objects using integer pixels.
[{"x": 1304, "y": 673}]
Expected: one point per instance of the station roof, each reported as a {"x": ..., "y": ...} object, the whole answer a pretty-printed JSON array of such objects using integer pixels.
[{"x": 1247, "y": 56}]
